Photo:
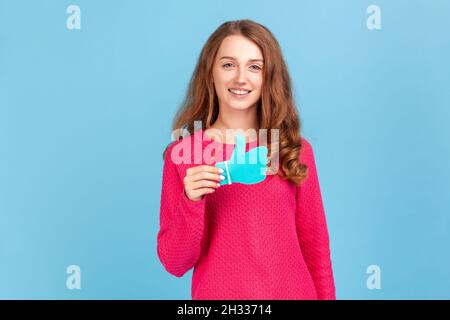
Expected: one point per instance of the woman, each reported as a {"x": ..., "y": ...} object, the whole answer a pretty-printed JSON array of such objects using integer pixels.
[{"x": 267, "y": 240}]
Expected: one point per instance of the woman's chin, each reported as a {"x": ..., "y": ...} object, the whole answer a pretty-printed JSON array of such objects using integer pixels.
[{"x": 240, "y": 106}]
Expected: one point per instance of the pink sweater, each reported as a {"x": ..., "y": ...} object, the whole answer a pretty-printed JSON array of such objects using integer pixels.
[{"x": 252, "y": 242}]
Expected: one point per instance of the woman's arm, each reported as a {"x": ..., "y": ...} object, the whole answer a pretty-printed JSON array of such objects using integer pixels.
[
  {"x": 181, "y": 222},
  {"x": 312, "y": 228}
]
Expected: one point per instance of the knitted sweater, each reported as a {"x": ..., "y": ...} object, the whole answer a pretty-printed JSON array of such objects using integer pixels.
[{"x": 249, "y": 242}]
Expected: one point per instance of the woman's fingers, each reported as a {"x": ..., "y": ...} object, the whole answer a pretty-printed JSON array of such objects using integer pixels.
[
  {"x": 202, "y": 168},
  {"x": 203, "y": 173},
  {"x": 201, "y": 180},
  {"x": 204, "y": 184},
  {"x": 205, "y": 176}
]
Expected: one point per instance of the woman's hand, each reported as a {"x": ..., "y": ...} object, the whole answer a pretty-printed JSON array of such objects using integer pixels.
[{"x": 201, "y": 180}]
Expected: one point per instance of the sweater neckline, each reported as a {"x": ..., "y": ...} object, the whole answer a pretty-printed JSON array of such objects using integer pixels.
[{"x": 200, "y": 135}]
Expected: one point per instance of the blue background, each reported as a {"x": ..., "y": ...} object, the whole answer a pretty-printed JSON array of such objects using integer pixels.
[{"x": 85, "y": 115}]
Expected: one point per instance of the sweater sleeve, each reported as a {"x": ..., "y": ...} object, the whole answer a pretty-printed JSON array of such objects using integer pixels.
[
  {"x": 312, "y": 228},
  {"x": 181, "y": 221}
]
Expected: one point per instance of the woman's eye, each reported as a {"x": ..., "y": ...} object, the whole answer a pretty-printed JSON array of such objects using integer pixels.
[
  {"x": 256, "y": 67},
  {"x": 226, "y": 65}
]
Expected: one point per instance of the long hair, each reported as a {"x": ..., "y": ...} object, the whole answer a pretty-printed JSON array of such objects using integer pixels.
[{"x": 276, "y": 108}]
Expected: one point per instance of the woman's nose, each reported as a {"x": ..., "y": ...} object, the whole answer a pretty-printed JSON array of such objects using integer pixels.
[{"x": 240, "y": 77}]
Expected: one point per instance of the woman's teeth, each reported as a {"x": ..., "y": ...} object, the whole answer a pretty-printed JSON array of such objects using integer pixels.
[{"x": 241, "y": 92}]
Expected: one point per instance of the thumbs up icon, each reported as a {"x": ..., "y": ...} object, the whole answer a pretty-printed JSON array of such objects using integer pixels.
[{"x": 244, "y": 167}]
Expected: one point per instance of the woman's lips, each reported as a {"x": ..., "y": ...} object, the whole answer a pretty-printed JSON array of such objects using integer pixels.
[{"x": 239, "y": 96}]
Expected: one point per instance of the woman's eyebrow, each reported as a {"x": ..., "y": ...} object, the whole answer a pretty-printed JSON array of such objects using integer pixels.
[{"x": 234, "y": 58}]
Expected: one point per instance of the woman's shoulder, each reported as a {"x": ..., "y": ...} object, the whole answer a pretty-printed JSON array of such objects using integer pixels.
[
  {"x": 306, "y": 151},
  {"x": 305, "y": 143}
]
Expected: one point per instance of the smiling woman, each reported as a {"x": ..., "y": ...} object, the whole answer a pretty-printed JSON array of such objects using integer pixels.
[
  {"x": 238, "y": 78},
  {"x": 263, "y": 240}
]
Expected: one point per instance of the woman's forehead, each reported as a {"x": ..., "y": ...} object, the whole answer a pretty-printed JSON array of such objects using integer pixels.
[{"x": 240, "y": 48}]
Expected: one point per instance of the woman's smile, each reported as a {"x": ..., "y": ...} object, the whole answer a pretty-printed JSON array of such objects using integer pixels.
[{"x": 239, "y": 94}]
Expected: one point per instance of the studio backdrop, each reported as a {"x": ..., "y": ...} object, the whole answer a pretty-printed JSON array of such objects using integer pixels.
[{"x": 88, "y": 92}]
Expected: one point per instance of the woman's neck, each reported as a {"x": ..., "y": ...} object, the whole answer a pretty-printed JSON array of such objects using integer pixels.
[{"x": 228, "y": 130}]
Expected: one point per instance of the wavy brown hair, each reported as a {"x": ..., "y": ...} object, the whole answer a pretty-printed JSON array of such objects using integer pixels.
[{"x": 275, "y": 109}]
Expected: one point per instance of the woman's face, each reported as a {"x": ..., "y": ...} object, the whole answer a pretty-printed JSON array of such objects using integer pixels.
[{"x": 238, "y": 73}]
